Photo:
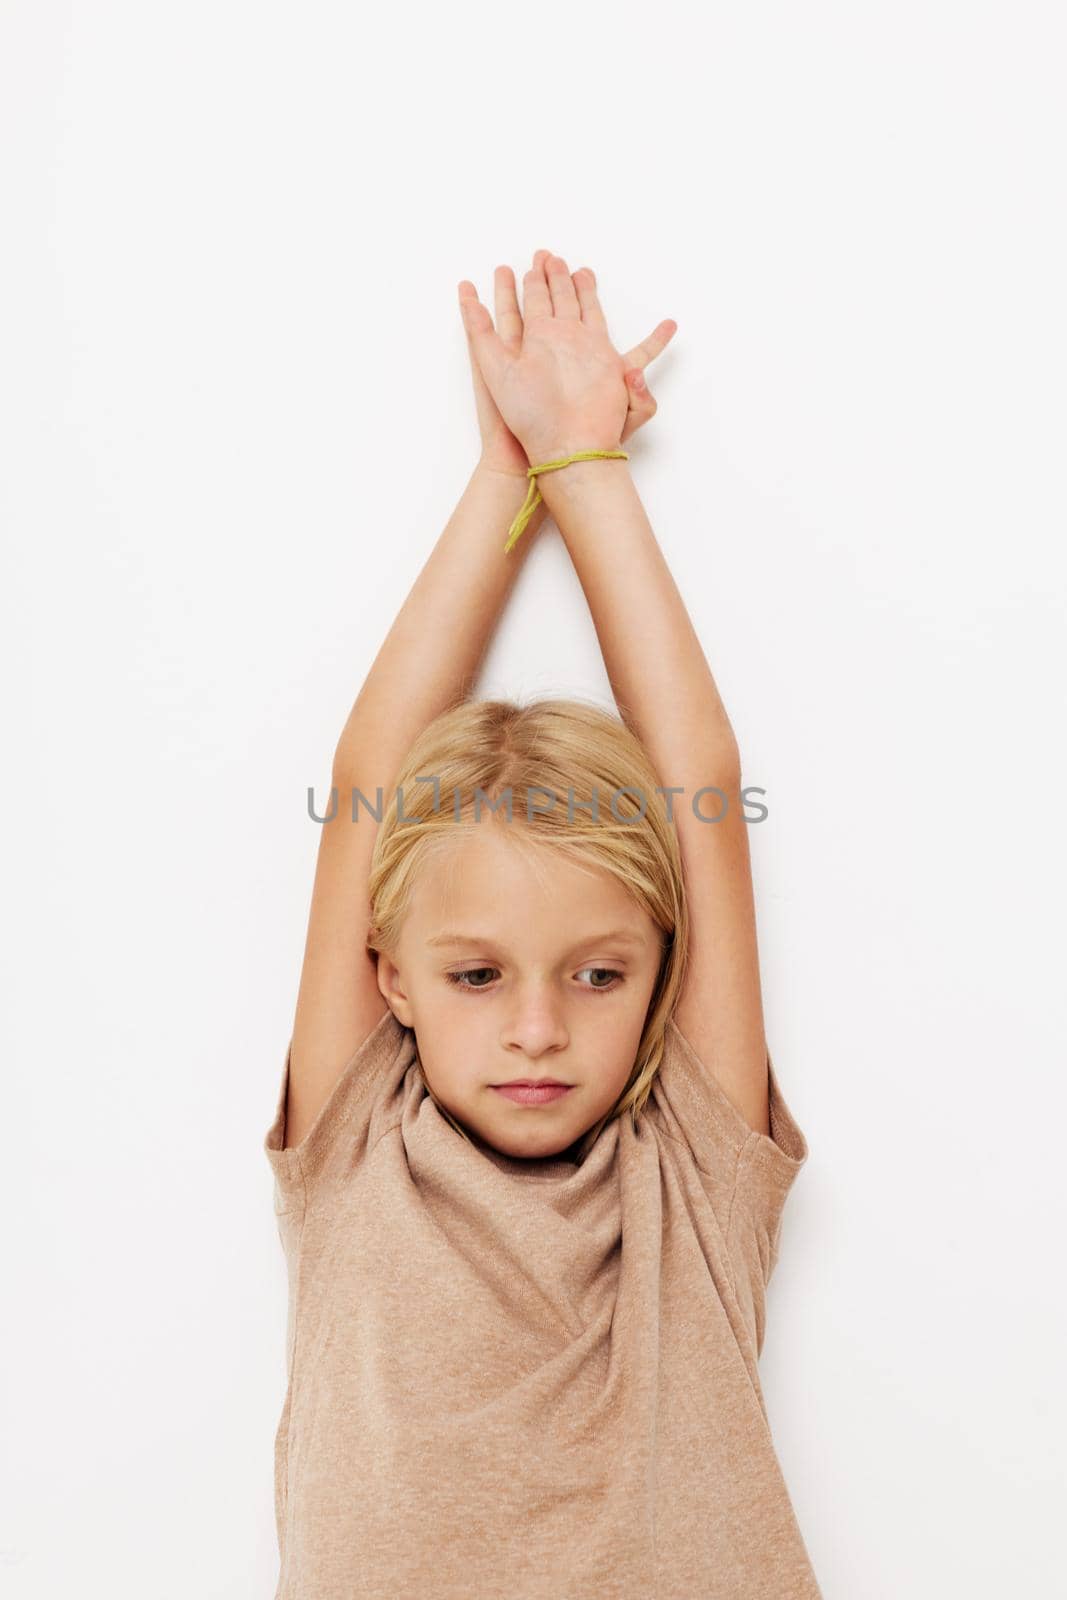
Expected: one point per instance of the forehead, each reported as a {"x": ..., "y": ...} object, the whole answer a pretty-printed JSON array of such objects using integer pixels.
[{"x": 491, "y": 885}]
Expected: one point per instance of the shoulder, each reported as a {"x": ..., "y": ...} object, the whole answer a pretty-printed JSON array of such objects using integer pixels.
[
  {"x": 365, "y": 1102},
  {"x": 693, "y": 1108}
]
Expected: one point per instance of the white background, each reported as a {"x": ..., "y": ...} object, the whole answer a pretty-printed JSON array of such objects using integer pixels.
[{"x": 235, "y": 412}]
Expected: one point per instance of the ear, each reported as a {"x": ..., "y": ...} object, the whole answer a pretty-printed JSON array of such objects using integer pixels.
[{"x": 391, "y": 990}]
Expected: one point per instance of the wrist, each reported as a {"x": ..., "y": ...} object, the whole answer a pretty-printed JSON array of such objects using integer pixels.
[
  {"x": 578, "y": 479},
  {"x": 494, "y": 472},
  {"x": 502, "y": 492},
  {"x": 559, "y": 448}
]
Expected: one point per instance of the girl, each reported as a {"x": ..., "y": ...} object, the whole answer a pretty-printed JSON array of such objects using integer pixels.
[{"x": 530, "y": 1152}]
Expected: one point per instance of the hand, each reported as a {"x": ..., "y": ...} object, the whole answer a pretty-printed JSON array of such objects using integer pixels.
[
  {"x": 554, "y": 384},
  {"x": 501, "y": 451}
]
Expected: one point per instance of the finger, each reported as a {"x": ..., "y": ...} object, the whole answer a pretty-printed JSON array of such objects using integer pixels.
[
  {"x": 654, "y": 345},
  {"x": 536, "y": 300},
  {"x": 508, "y": 315},
  {"x": 468, "y": 295},
  {"x": 585, "y": 287},
  {"x": 642, "y": 404},
  {"x": 485, "y": 343},
  {"x": 476, "y": 318},
  {"x": 564, "y": 298},
  {"x": 637, "y": 390}
]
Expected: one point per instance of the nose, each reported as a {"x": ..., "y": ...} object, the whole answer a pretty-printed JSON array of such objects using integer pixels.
[{"x": 536, "y": 1025}]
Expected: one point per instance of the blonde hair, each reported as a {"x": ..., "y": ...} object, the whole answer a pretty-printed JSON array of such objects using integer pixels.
[{"x": 478, "y": 752}]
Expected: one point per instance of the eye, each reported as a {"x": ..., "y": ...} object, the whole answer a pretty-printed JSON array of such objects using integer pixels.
[
  {"x": 603, "y": 988},
  {"x": 458, "y": 977}
]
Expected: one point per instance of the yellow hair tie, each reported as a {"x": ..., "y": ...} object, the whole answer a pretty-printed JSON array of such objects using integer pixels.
[{"x": 533, "y": 498}]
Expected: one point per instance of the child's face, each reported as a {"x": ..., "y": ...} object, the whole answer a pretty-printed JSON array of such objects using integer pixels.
[{"x": 525, "y": 996}]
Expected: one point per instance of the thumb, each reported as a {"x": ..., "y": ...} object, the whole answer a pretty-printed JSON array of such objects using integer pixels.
[{"x": 487, "y": 347}]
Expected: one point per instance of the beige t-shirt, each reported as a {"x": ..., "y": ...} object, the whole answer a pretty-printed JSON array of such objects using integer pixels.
[{"x": 530, "y": 1380}]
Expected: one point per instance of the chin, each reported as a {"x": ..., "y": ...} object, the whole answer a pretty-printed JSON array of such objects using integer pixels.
[{"x": 533, "y": 1148}]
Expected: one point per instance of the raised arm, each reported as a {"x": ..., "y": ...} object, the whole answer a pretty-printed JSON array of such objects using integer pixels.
[
  {"x": 428, "y": 661},
  {"x": 570, "y": 397},
  {"x": 665, "y": 691}
]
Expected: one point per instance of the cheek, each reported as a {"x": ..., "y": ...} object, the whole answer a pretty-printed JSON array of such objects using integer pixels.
[
  {"x": 618, "y": 1075},
  {"x": 448, "y": 1071}
]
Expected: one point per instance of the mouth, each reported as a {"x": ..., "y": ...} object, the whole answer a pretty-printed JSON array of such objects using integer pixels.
[
  {"x": 524, "y": 1093},
  {"x": 532, "y": 1083}
]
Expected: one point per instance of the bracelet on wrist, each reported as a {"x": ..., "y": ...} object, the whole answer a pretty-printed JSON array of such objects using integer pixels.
[{"x": 533, "y": 498}]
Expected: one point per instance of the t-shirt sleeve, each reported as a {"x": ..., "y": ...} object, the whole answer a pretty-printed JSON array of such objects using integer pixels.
[
  {"x": 365, "y": 1102},
  {"x": 747, "y": 1174}
]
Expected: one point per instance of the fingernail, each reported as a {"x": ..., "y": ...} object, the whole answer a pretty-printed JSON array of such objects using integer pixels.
[{"x": 637, "y": 381}]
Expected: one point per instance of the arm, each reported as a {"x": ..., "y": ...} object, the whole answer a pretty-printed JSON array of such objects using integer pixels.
[
  {"x": 564, "y": 390},
  {"x": 665, "y": 692},
  {"x": 428, "y": 661}
]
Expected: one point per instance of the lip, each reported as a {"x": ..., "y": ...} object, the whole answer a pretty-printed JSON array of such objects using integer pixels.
[{"x": 532, "y": 1094}]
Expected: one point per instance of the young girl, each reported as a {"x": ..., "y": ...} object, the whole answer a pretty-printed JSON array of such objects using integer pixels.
[{"x": 530, "y": 1152}]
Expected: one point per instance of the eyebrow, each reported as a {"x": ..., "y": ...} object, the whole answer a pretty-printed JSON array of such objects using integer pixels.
[{"x": 455, "y": 936}]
